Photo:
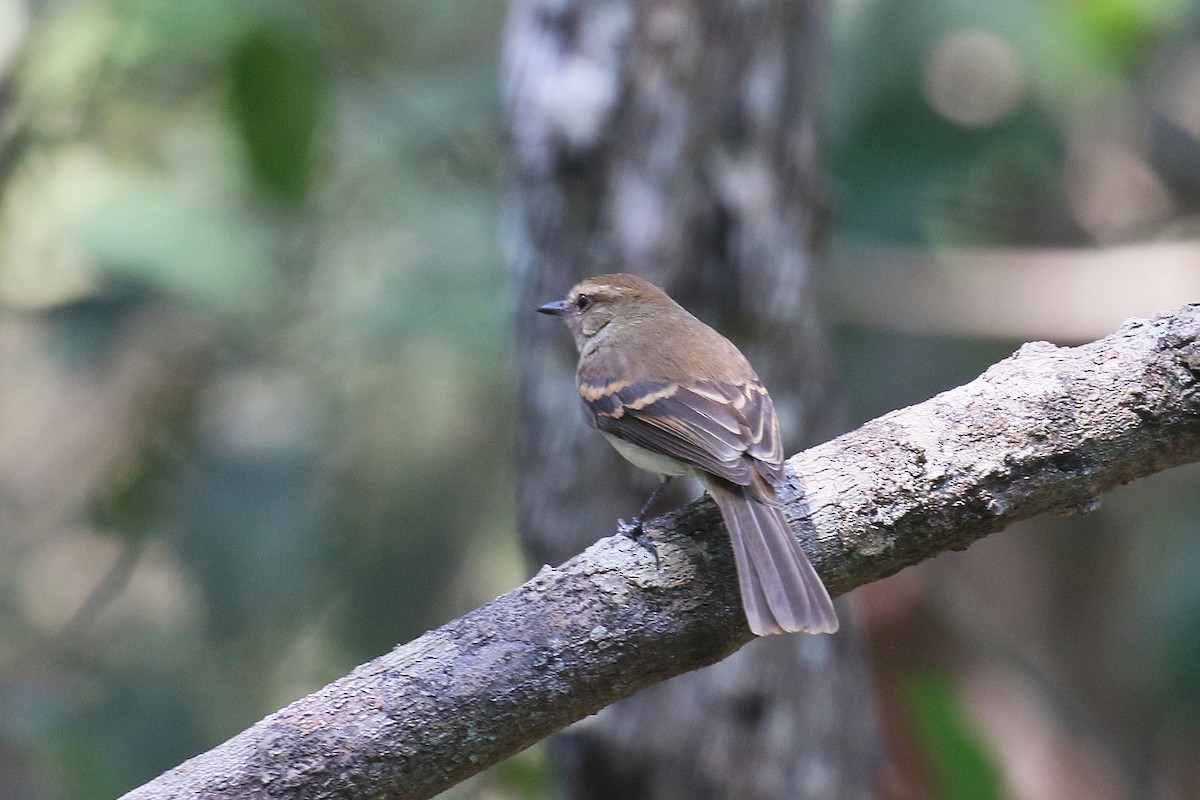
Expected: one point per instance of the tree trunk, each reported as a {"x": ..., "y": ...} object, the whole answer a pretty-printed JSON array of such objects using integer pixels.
[{"x": 674, "y": 139}]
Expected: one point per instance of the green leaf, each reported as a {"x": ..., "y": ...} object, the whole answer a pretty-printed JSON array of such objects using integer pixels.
[
  {"x": 276, "y": 96},
  {"x": 961, "y": 769}
]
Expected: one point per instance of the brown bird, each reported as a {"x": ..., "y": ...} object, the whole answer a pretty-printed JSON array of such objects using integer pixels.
[{"x": 675, "y": 397}]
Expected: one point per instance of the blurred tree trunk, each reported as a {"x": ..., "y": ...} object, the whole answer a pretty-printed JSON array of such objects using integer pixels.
[{"x": 674, "y": 139}]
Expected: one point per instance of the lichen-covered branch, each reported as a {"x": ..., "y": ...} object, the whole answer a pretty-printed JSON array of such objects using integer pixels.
[{"x": 1046, "y": 430}]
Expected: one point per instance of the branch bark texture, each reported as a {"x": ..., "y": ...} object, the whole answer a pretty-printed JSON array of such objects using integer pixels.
[{"x": 1046, "y": 430}]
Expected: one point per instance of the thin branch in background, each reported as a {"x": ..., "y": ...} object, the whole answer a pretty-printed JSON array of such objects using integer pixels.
[
  {"x": 66, "y": 640},
  {"x": 103, "y": 594}
]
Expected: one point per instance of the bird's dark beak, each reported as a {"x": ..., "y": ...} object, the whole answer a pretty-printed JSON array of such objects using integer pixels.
[{"x": 557, "y": 308}]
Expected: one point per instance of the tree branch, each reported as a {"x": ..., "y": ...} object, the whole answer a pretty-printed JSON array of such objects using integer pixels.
[{"x": 1046, "y": 430}]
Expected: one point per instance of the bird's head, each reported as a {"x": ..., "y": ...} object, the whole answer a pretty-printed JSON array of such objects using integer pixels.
[{"x": 595, "y": 302}]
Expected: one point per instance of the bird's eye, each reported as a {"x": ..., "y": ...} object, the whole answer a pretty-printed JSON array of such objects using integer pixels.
[{"x": 584, "y": 302}]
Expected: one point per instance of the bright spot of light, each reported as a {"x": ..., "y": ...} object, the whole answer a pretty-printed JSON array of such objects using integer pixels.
[{"x": 972, "y": 78}]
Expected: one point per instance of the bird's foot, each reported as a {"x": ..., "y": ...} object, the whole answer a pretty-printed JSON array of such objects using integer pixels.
[{"x": 635, "y": 531}]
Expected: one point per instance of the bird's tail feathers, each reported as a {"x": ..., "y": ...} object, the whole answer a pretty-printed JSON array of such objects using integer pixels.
[{"x": 781, "y": 591}]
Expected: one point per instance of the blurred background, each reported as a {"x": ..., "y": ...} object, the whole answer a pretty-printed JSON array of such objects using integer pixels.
[{"x": 255, "y": 376}]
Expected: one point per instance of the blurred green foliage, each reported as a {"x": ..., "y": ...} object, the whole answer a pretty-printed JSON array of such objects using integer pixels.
[
  {"x": 936, "y": 144},
  {"x": 254, "y": 333},
  {"x": 961, "y": 769},
  {"x": 256, "y": 247}
]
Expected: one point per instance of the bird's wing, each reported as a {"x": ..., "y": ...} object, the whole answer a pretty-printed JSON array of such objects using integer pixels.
[{"x": 727, "y": 429}]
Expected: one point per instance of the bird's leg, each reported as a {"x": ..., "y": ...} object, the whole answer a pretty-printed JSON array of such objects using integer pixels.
[{"x": 634, "y": 529}]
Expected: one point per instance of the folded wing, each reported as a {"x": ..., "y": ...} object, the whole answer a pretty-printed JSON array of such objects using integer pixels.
[{"x": 727, "y": 429}]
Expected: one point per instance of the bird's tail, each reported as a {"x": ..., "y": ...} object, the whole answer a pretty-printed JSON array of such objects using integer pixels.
[{"x": 780, "y": 590}]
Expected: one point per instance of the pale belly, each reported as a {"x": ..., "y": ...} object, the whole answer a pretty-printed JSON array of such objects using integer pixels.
[{"x": 649, "y": 460}]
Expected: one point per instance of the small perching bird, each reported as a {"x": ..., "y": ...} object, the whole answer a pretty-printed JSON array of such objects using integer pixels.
[{"x": 675, "y": 397}]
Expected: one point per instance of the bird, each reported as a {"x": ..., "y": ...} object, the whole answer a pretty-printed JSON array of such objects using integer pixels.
[{"x": 674, "y": 397}]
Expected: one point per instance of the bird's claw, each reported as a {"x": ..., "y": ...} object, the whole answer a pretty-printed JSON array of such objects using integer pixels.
[{"x": 635, "y": 531}]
